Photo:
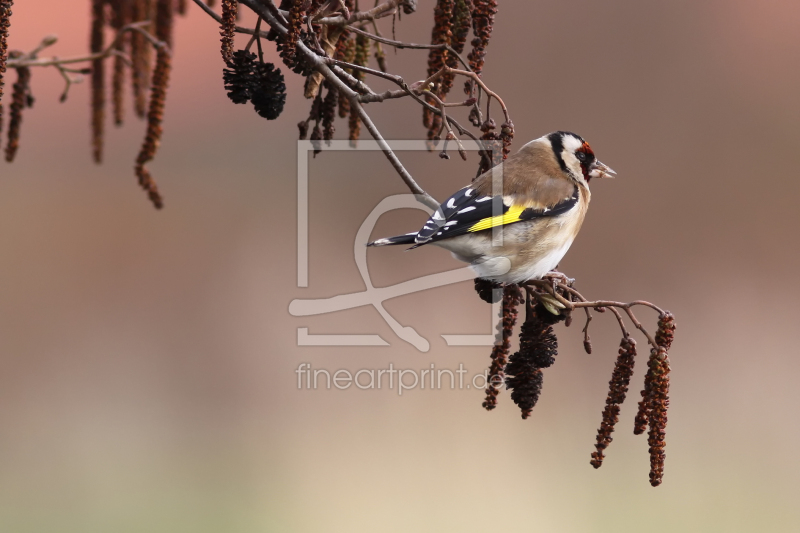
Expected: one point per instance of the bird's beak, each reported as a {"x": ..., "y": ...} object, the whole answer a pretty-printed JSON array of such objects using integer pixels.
[{"x": 600, "y": 170}]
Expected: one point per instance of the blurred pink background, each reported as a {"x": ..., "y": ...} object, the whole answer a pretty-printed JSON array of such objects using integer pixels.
[{"x": 148, "y": 357}]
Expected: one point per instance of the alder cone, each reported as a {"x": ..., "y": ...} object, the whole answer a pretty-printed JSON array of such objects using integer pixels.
[{"x": 269, "y": 95}]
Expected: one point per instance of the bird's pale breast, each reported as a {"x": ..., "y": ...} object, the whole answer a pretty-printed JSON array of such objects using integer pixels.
[{"x": 522, "y": 250}]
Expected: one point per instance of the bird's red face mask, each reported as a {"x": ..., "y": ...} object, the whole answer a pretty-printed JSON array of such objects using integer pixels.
[{"x": 591, "y": 167}]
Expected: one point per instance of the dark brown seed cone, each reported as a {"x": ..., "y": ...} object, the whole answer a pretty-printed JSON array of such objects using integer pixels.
[
  {"x": 666, "y": 330},
  {"x": 121, "y": 15},
  {"x": 227, "y": 28},
  {"x": 486, "y": 290},
  {"x": 158, "y": 94},
  {"x": 140, "y": 57},
  {"x": 289, "y": 49},
  {"x": 210, "y": 3},
  {"x": 260, "y": 83},
  {"x": 269, "y": 92},
  {"x": 525, "y": 384},
  {"x": 538, "y": 347},
  {"x": 345, "y": 51},
  {"x": 181, "y": 7},
  {"x": 98, "y": 79},
  {"x": 482, "y": 24},
  {"x": 328, "y": 112},
  {"x": 239, "y": 77},
  {"x": 19, "y": 100},
  {"x": 5, "y": 24},
  {"x": 617, "y": 390},
  {"x": 512, "y": 297}
]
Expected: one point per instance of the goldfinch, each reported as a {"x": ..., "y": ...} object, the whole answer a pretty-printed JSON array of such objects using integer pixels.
[{"x": 516, "y": 221}]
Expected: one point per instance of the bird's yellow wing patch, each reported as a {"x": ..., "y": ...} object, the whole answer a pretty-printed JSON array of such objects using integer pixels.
[{"x": 512, "y": 215}]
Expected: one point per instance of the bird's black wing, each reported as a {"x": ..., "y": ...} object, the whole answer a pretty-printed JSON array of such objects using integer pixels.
[{"x": 466, "y": 212}]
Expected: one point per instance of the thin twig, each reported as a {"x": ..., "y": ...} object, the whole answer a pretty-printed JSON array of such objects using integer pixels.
[
  {"x": 489, "y": 93},
  {"x": 382, "y": 10},
  {"x": 410, "y": 46},
  {"x": 29, "y": 61},
  {"x": 599, "y": 305},
  {"x": 446, "y": 125}
]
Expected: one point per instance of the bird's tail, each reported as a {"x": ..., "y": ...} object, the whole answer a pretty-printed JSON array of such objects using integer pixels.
[{"x": 408, "y": 238}]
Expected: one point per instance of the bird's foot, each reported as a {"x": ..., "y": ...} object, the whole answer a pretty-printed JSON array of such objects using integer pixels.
[{"x": 555, "y": 277}]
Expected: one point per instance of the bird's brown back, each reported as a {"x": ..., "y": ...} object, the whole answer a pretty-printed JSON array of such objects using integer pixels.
[{"x": 532, "y": 176}]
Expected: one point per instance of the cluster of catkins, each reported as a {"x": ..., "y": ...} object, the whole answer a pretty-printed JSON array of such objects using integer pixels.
[
  {"x": 130, "y": 52},
  {"x": 538, "y": 346},
  {"x": 521, "y": 372}
]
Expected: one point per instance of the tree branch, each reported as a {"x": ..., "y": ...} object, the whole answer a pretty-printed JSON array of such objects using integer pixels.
[
  {"x": 30, "y": 60},
  {"x": 556, "y": 290},
  {"x": 379, "y": 11},
  {"x": 320, "y": 65},
  {"x": 410, "y": 46}
]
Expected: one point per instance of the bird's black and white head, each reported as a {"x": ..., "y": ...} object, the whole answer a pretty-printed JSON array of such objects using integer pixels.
[{"x": 576, "y": 158}]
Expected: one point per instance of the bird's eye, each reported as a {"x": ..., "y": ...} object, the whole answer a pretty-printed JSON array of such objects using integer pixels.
[{"x": 581, "y": 156}]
